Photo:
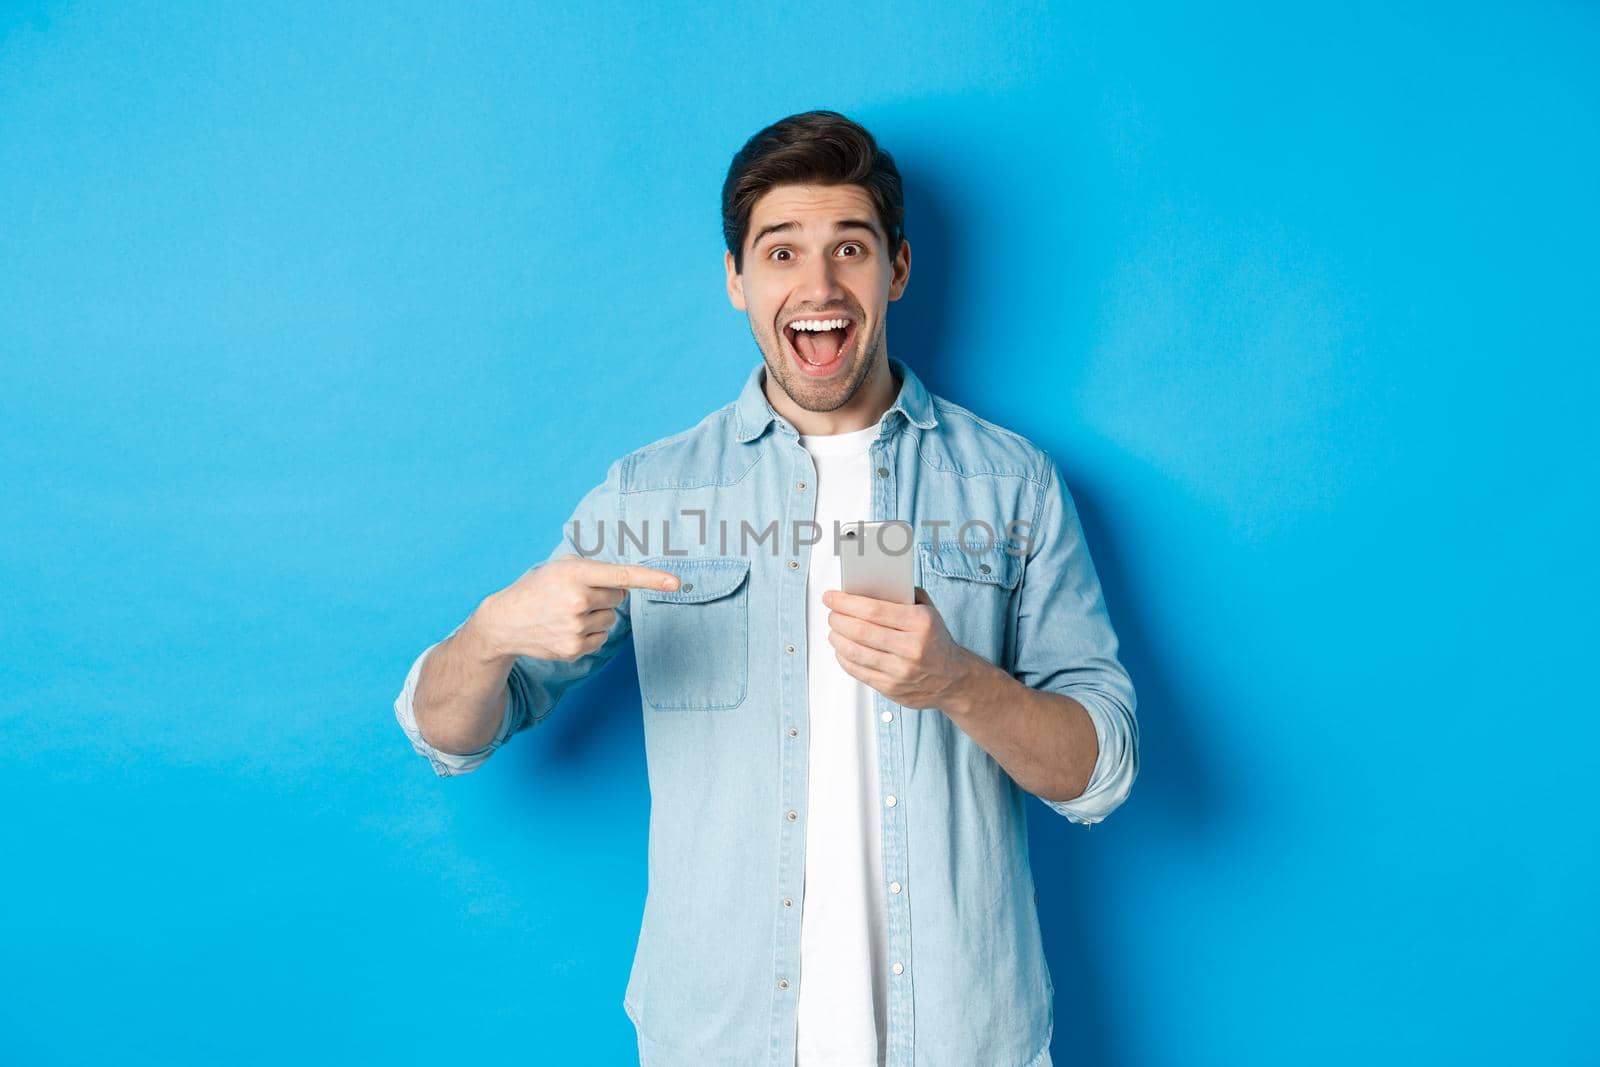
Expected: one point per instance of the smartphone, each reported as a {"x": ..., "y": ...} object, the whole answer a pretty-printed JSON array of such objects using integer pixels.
[{"x": 875, "y": 559}]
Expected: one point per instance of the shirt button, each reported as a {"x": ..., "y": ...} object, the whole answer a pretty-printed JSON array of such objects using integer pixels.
[
  {"x": 687, "y": 587},
  {"x": 788, "y": 903},
  {"x": 793, "y": 815},
  {"x": 883, "y": 472},
  {"x": 793, "y": 732},
  {"x": 783, "y": 983},
  {"x": 899, "y": 968},
  {"x": 889, "y": 800},
  {"x": 794, "y": 564},
  {"x": 983, "y": 568},
  {"x": 888, "y": 716},
  {"x": 789, "y": 649},
  {"x": 800, "y": 486},
  {"x": 894, "y": 887}
]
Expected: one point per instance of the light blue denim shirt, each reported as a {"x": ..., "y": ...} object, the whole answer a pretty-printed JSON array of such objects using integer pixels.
[{"x": 722, "y": 674}]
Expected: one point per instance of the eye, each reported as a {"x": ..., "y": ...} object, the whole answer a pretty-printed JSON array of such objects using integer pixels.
[
  {"x": 852, "y": 244},
  {"x": 774, "y": 253}
]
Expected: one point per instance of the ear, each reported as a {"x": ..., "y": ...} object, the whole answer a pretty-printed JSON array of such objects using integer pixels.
[
  {"x": 900, "y": 271},
  {"x": 735, "y": 283}
]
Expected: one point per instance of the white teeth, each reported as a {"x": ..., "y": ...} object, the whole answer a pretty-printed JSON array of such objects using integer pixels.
[{"x": 820, "y": 324}]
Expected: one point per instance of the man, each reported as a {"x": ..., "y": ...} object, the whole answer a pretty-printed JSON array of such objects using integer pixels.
[{"x": 838, "y": 867}]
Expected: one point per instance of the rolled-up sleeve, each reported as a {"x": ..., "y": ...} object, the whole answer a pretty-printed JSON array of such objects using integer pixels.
[
  {"x": 534, "y": 686},
  {"x": 445, "y": 763},
  {"x": 1065, "y": 644}
]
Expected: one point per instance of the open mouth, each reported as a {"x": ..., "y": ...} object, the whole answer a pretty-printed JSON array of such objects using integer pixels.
[{"x": 819, "y": 345}]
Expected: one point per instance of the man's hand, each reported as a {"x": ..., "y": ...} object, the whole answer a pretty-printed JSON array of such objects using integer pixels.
[
  {"x": 561, "y": 609},
  {"x": 904, "y": 651}
]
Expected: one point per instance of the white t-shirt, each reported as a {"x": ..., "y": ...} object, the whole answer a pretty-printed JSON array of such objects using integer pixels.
[{"x": 843, "y": 994}]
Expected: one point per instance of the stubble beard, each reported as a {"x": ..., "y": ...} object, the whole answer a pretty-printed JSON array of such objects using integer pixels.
[{"x": 821, "y": 396}]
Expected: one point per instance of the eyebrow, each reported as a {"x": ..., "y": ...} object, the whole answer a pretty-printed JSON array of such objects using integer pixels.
[{"x": 790, "y": 224}]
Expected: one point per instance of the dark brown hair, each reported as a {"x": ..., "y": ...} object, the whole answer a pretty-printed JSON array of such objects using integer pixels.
[{"x": 817, "y": 147}]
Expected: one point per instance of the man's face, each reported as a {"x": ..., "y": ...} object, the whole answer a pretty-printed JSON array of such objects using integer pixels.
[{"x": 815, "y": 255}]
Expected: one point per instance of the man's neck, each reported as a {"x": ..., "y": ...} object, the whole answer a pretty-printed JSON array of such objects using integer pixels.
[{"x": 877, "y": 392}]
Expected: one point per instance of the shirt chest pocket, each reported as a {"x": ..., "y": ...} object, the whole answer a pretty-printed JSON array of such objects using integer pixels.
[
  {"x": 693, "y": 644},
  {"x": 972, "y": 592}
]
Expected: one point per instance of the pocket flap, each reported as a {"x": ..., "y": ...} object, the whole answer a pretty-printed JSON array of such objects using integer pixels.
[
  {"x": 701, "y": 578},
  {"x": 993, "y": 565}
]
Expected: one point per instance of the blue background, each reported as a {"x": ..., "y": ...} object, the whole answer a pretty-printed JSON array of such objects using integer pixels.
[{"x": 314, "y": 327}]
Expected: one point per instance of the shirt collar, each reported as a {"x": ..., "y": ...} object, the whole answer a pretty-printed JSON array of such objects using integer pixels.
[{"x": 753, "y": 413}]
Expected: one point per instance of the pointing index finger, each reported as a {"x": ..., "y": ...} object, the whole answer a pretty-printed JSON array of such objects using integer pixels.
[{"x": 627, "y": 576}]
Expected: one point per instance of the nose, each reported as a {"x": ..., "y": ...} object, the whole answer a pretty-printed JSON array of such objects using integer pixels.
[{"x": 820, "y": 285}]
